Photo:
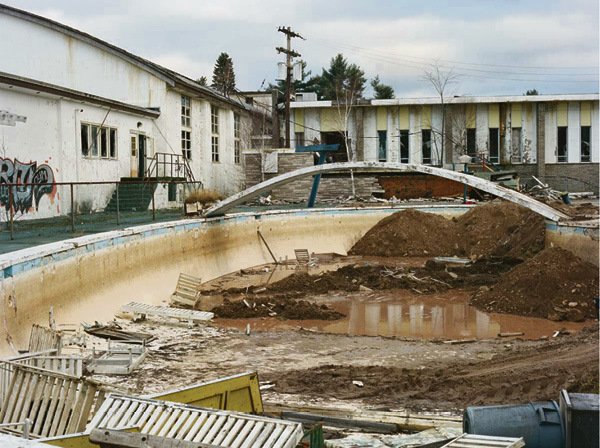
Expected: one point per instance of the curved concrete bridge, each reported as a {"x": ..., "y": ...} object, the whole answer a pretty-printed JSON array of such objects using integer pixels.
[{"x": 379, "y": 167}]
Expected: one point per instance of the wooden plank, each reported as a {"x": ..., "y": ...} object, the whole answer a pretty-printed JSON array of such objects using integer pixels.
[
  {"x": 199, "y": 437},
  {"x": 249, "y": 440},
  {"x": 196, "y": 427},
  {"x": 225, "y": 429},
  {"x": 67, "y": 412}
]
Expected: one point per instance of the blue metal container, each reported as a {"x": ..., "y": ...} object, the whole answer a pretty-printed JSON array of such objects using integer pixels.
[{"x": 539, "y": 423}]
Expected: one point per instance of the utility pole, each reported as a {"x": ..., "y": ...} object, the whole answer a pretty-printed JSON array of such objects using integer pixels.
[{"x": 288, "y": 75}]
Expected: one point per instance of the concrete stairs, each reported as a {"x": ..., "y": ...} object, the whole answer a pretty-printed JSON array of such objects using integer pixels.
[{"x": 133, "y": 196}]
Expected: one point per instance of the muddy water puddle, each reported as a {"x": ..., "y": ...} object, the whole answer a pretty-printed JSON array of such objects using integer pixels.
[
  {"x": 388, "y": 313},
  {"x": 393, "y": 314}
]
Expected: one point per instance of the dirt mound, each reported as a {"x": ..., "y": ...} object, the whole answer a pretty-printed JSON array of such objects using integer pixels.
[
  {"x": 432, "y": 278},
  {"x": 555, "y": 284},
  {"x": 533, "y": 373},
  {"x": 273, "y": 307},
  {"x": 501, "y": 228},
  {"x": 410, "y": 233},
  {"x": 497, "y": 228}
]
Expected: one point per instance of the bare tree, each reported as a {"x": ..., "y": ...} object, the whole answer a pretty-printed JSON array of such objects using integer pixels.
[{"x": 441, "y": 79}]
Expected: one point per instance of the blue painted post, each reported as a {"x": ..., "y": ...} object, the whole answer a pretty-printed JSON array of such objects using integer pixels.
[{"x": 315, "y": 186}]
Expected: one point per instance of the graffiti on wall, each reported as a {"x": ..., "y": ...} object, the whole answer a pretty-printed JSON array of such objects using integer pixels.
[{"x": 24, "y": 195}]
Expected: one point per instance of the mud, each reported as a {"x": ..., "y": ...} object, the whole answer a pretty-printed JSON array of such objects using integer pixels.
[
  {"x": 555, "y": 284},
  {"x": 513, "y": 375},
  {"x": 497, "y": 228},
  {"x": 275, "y": 307}
]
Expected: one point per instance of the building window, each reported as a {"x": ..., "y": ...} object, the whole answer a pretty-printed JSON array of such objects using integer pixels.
[
  {"x": 586, "y": 141},
  {"x": 562, "y": 153},
  {"x": 382, "y": 145},
  {"x": 186, "y": 111},
  {"x": 299, "y": 137},
  {"x": 516, "y": 145},
  {"x": 214, "y": 128},
  {"x": 236, "y": 138},
  {"x": 471, "y": 141},
  {"x": 426, "y": 146},
  {"x": 494, "y": 145},
  {"x": 404, "y": 146},
  {"x": 186, "y": 144},
  {"x": 98, "y": 141}
]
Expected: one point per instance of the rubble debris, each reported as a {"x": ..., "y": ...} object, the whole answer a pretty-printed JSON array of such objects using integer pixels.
[
  {"x": 118, "y": 359},
  {"x": 543, "y": 287},
  {"x": 141, "y": 310},
  {"x": 204, "y": 424},
  {"x": 113, "y": 331}
]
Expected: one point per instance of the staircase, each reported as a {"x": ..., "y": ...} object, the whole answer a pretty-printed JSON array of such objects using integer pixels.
[{"x": 133, "y": 196}]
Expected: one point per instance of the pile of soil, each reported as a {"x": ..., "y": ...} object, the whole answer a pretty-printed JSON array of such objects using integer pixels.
[
  {"x": 432, "y": 278},
  {"x": 410, "y": 233},
  {"x": 533, "y": 373},
  {"x": 497, "y": 228},
  {"x": 275, "y": 307},
  {"x": 555, "y": 284}
]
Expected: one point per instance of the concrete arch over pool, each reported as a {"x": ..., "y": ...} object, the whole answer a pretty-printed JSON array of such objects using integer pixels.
[
  {"x": 89, "y": 278},
  {"x": 370, "y": 167}
]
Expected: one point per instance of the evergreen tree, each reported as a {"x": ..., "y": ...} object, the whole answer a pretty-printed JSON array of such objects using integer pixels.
[
  {"x": 342, "y": 82},
  {"x": 381, "y": 91},
  {"x": 532, "y": 92},
  {"x": 202, "y": 81},
  {"x": 223, "y": 75}
]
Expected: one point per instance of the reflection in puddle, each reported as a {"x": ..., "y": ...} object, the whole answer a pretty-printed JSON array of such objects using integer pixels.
[
  {"x": 402, "y": 314},
  {"x": 456, "y": 320}
]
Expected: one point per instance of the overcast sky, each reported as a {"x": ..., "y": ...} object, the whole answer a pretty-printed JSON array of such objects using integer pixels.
[{"x": 497, "y": 47}]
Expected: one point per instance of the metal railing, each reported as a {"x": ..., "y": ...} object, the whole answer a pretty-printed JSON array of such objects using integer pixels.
[
  {"x": 86, "y": 207},
  {"x": 169, "y": 165}
]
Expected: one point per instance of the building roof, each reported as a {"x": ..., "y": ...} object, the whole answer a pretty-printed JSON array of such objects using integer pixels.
[
  {"x": 172, "y": 78},
  {"x": 456, "y": 100},
  {"x": 22, "y": 83}
]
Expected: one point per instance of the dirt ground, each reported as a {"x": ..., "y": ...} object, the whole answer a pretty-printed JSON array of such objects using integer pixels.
[{"x": 510, "y": 273}]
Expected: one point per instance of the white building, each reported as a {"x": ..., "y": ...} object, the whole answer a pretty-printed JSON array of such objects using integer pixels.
[
  {"x": 551, "y": 136},
  {"x": 74, "y": 108}
]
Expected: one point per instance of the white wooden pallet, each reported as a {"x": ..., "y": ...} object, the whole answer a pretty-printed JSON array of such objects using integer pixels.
[
  {"x": 191, "y": 316},
  {"x": 119, "y": 359},
  {"x": 477, "y": 441},
  {"x": 190, "y": 423},
  {"x": 55, "y": 403},
  {"x": 187, "y": 290},
  {"x": 43, "y": 338}
]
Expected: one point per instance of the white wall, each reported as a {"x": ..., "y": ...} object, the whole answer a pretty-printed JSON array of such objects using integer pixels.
[
  {"x": 56, "y": 58},
  {"x": 370, "y": 141},
  {"x": 550, "y": 135},
  {"x": 595, "y": 131},
  {"x": 574, "y": 133},
  {"x": 51, "y": 136}
]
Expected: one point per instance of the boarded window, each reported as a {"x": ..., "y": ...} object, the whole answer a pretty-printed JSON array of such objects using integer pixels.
[
  {"x": 494, "y": 145},
  {"x": 562, "y": 149},
  {"x": 585, "y": 143},
  {"x": 404, "y": 146},
  {"x": 516, "y": 145},
  {"x": 382, "y": 146}
]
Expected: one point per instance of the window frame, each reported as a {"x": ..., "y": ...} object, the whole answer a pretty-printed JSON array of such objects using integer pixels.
[
  {"x": 471, "y": 141},
  {"x": 214, "y": 131},
  {"x": 560, "y": 156},
  {"x": 588, "y": 157},
  {"x": 186, "y": 111},
  {"x": 494, "y": 158},
  {"x": 237, "y": 138},
  {"x": 404, "y": 135},
  {"x": 101, "y": 142},
  {"x": 186, "y": 144},
  {"x": 382, "y": 146},
  {"x": 426, "y": 146}
]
